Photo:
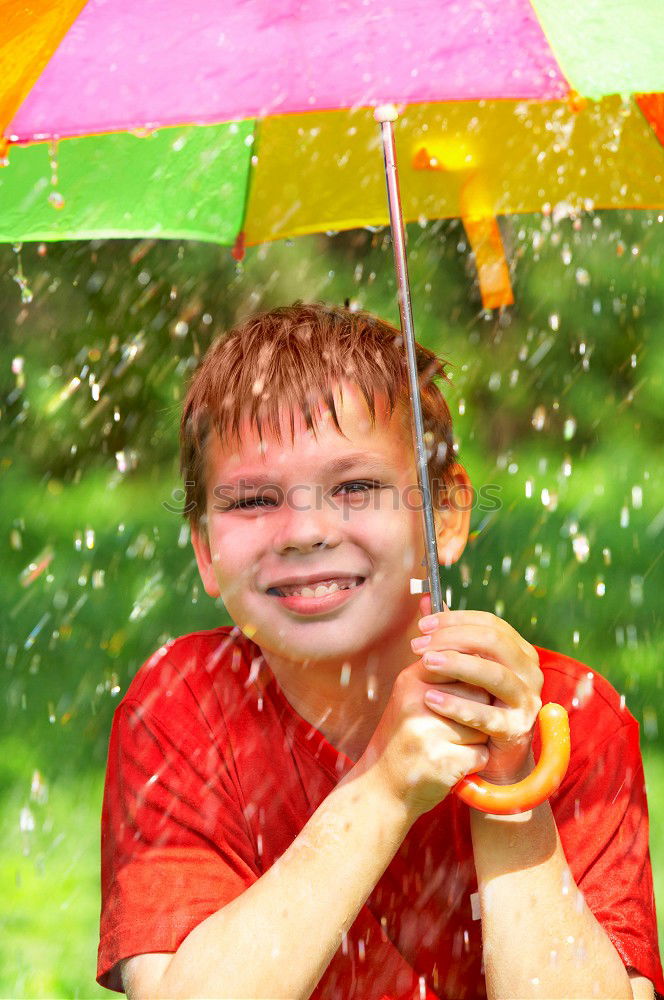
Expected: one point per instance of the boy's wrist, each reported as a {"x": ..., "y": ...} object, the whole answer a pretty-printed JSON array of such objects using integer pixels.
[{"x": 373, "y": 783}]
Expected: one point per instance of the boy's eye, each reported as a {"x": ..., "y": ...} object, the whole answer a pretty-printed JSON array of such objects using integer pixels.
[
  {"x": 363, "y": 484},
  {"x": 254, "y": 503}
]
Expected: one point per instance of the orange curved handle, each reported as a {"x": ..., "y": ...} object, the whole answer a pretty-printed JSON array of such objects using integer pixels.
[{"x": 505, "y": 800}]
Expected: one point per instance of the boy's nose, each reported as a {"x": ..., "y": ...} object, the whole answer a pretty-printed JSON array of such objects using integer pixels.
[
  {"x": 305, "y": 530},
  {"x": 305, "y": 540}
]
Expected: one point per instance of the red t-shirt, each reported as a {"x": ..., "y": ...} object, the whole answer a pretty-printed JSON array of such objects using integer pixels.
[{"x": 211, "y": 775}]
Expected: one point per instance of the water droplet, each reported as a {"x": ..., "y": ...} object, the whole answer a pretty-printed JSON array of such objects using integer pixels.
[
  {"x": 26, "y": 820},
  {"x": 636, "y": 590},
  {"x": 36, "y": 567},
  {"x": 19, "y": 277},
  {"x": 38, "y": 788},
  {"x": 151, "y": 592},
  {"x": 584, "y": 689},
  {"x": 538, "y": 418},
  {"x": 581, "y": 547},
  {"x": 126, "y": 460},
  {"x": 56, "y": 200},
  {"x": 650, "y": 727}
]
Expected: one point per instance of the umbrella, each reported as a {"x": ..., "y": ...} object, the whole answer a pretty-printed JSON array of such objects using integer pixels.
[{"x": 255, "y": 123}]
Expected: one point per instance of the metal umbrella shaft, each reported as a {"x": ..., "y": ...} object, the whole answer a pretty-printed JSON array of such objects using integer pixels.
[{"x": 386, "y": 116}]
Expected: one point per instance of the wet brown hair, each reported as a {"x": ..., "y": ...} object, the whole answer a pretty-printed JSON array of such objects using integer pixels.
[{"x": 295, "y": 356}]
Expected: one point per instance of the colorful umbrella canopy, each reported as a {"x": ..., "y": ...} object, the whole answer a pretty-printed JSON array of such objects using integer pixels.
[{"x": 246, "y": 122}]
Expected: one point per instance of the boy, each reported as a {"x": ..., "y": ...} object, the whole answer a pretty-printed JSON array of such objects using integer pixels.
[{"x": 278, "y": 818}]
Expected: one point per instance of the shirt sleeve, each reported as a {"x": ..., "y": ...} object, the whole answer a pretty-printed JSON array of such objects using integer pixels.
[
  {"x": 602, "y": 818},
  {"x": 175, "y": 843}
]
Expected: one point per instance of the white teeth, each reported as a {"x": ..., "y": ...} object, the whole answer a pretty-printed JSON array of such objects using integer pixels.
[{"x": 319, "y": 590}]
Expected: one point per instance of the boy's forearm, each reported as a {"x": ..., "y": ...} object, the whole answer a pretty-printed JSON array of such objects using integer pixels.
[
  {"x": 279, "y": 936},
  {"x": 540, "y": 937}
]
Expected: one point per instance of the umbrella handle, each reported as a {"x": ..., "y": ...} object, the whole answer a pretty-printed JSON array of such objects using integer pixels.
[{"x": 505, "y": 800}]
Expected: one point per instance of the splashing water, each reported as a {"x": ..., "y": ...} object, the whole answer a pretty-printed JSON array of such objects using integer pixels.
[
  {"x": 581, "y": 547},
  {"x": 20, "y": 278},
  {"x": 55, "y": 199}
]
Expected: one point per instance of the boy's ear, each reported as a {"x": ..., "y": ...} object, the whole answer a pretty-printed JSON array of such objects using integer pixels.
[
  {"x": 453, "y": 520},
  {"x": 201, "y": 544}
]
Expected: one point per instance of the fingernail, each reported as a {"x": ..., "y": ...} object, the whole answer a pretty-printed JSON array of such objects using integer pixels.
[
  {"x": 434, "y": 659},
  {"x": 422, "y": 641},
  {"x": 428, "y": 623}
]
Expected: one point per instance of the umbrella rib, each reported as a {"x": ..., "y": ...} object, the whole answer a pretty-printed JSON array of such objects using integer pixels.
[{"x": 239, "y": 247}]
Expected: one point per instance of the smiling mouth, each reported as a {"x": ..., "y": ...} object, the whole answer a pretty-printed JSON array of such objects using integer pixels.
[{"x": 319, "y": 589}]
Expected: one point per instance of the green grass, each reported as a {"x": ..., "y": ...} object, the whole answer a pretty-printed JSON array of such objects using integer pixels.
[{"x": 49, "y": 881}]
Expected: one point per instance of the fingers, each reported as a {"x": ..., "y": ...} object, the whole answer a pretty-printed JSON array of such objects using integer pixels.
[
  {"x": 425, "y": 605},
  {"x": 483, "y": 619},
  {"x": 475, "y": 759},
  {"x": 493, "y": 677},
  {"x": 463, "y": 736},
  {"x": 503, "y": 725},
  {"x": 485, "y": 639}
]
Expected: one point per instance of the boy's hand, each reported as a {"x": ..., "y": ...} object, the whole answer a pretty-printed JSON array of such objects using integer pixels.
[
  {"x": 418, "y": 754},
  {"x": 484, "y": 651}
]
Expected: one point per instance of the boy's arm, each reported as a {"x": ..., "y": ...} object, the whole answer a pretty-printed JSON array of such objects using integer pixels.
[
  {"x": 540, "y": 937},
  {"x": 277, "y": 938}
]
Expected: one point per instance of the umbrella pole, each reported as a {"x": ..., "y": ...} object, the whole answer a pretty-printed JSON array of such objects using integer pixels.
[{"x": 386, "y": 115}]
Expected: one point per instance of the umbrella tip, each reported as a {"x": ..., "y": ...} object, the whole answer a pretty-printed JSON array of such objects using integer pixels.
[{"x": 238, "y": 248}]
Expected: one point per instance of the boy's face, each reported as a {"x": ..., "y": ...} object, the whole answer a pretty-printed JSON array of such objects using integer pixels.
[{"x": 304, "y": 520}]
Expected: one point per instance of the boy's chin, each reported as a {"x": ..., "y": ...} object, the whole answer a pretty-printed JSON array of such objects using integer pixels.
[{"x": 330, "y": 644}]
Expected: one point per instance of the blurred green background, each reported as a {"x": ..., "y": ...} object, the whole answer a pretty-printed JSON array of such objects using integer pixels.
[{"x": 557, "y": 402}]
